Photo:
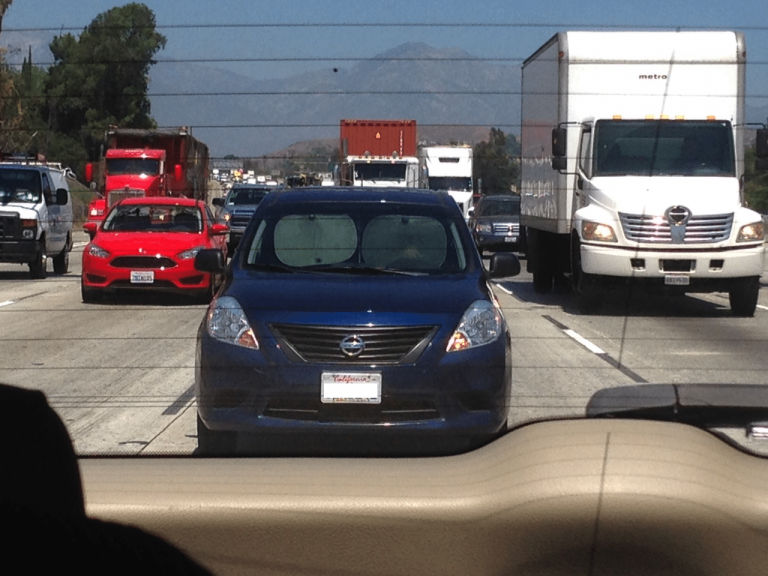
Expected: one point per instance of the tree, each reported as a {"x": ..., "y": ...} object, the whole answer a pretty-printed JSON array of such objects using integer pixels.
[
  {"x": 756, "y": 186},
  {"x": 495, "y": 163},
  {"x": 101, "y": 78}
]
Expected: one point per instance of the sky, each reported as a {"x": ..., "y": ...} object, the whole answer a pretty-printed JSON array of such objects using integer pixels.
[{"x": 500, "y": 29}]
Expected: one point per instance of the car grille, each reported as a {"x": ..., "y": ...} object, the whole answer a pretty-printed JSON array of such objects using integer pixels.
[
  {"x": 142, "y": 262},
  {"x": 403, "y": 409},
  {"x": 240, "y": 219},
  {"x": 505, "y": 228},
  {"x": 383, "y": 344},
  {"x": 700, "y": 229}
]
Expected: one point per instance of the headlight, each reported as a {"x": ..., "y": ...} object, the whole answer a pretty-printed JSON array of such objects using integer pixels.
[
  {"x": 481, "y": 324},
  {"x": 751, "y": 233},
  {"x": 96, "y": 212},
  {"x": 483, "y": 228},
  {"x": 226, "y": 321},
  {"x": 597, "y": 231},
  {"x": 97, "y": 251},
  {"x": 226, "y": 216},
  {"x": 189, "y": 254}
]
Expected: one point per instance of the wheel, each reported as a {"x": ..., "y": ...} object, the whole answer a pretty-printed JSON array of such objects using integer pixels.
[
  {"x": 587, "y": 287},
  {"x": 743, "y": 297},
  {"x": 542, "y": 281},
  {"x": 61, "y": 260},
  {"x": 38, "y": 268},
  {"x": 215, "y": 442},
  {"x": 89, "y": 295}
]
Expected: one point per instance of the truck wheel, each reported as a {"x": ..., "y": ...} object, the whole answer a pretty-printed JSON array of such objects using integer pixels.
[
  {"x": 743, "y": 297},
  {"x": 215, "y": 442},
  {"x": 89, "y": 295},
  {"x": 38, "y": 268},
  {"x": 542, "y": 281},
  {"x": 61, "y": 260},
  {"x": 586, "y": 286}
]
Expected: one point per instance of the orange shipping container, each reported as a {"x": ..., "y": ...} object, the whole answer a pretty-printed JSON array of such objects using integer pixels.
[{"x": 378, "y": 137}]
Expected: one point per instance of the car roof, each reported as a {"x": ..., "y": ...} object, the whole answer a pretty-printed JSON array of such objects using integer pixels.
[
  {"x": 307, "y": 194},
  {"x": 162, "y": 201}
]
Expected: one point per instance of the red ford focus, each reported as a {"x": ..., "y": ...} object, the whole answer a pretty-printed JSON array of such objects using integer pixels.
[{"x": 150, "y": 244}]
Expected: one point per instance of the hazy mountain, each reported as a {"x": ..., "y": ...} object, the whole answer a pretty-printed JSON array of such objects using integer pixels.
[{"x": 246, "y": 117}]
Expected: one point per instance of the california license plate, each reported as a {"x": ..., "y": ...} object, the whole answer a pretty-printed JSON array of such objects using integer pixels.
[
  {"x": 142, "y": 277},
  {"x": 350, "y": 388},
  {"x": 676, "y": 280},
  {"x": 510, "y": 239}
]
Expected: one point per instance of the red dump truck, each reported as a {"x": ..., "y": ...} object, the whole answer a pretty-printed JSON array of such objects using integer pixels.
[
  {"x": 378, "y": 153},
  {"x": 151, "y": 162}
]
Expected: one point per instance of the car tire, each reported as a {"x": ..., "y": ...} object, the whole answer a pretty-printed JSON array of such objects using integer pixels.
[
  {"x": 38, "y": 268},
  {"x": 743, "y": 297},
  {"x": 61, "y": 260},
  {"x": 215, "y": 442},
  {"x": 89, "y": 295}
]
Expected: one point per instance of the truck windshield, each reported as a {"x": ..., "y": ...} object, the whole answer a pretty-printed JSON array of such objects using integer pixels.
[
  {"x": 21, "y": 186},
  {"x": 252, "y": 196},
  {"x": 663, "y": 148},
  {"x": 450, "y": 183},
  {"x": 380, "y": 171},
  {"x": 123, "y": 166}
]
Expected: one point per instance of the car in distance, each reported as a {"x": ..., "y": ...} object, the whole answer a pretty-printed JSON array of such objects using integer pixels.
[
  {"x": 353, "y": 319},
  {"x": 237, "y": 207},
  {"x": 150, "y": 244},
  {"x": 495, "y": 223}
]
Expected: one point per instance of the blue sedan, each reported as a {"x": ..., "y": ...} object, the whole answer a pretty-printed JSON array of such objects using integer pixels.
[{"x": 353, "y": 321}]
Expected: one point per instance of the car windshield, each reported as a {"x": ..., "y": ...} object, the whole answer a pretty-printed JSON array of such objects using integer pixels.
[
  {"x": 250, "y": 196},
  {"x": 126, "y": 166},
  {"x": 22, "y": 186},
  {"x": 338, "y": 237},
  {"x": 153, "y": 218},
  {"x": 499, "y": 207}
]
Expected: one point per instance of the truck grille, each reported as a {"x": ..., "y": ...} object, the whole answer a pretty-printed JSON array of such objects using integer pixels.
[
  {"x": 116, "y": 196},
  {"x": 10, "y": 227},
  {"x": 505, "y": 228},
  {"x": 240, "y": 219},
  {"x": 699, "y": 230},
  {"x": 142, "y": 262},
  {"x": 383, "y": 344}
]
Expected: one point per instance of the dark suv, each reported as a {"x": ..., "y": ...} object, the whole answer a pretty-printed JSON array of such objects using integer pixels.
[
  {"x": 495, "y": 223},
  {"x": 237, "y": 208}
]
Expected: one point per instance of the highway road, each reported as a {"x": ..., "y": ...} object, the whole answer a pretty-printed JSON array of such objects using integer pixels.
[{"x": 120, "y": 373}]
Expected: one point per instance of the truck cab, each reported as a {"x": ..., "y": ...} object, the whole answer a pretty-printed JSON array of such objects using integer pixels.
[{"x": 35, "y": 217}]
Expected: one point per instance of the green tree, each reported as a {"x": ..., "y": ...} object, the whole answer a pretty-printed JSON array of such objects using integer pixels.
[
  {"x": 100, "y": 79},
  {"x": 756, "y": 185},
  {"x": 495, "y": 163}
]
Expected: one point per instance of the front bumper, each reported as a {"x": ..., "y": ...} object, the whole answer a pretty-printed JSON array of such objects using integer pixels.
[
  {"x": 458, "y": 396},
  {"x": 497, "y": 241},
  {"x": 711, "y": 270},
  {"x": 100, "y": 274},
  {"x": 18, "y": 251}
]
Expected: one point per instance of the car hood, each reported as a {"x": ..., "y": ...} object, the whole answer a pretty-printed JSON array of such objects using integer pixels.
[
  {"x": 309, "y": 292},
  {"x": 147, "y": 242}
]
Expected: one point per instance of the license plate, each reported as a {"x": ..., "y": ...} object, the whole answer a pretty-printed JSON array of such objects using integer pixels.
[
  {"x": 350, "y": 388},
  {"x": 142, "y": 277},
  {"x": 510, "y": 239},
  {"x": 675, "y": 280}
]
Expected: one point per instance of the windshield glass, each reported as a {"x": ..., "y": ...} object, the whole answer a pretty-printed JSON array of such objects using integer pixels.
[
  {"x": 499, "y": 207},
  {"x": 663, "y": 148},
  {"x": 138, "y": 166},
  {"x": 338, "y": 237},
  {"x": 373, "y": 171},
  {"x": 22, "y": 186},
  {"x": 449, "y": 183},
  {"x": 242, "y": 196},
  {"x": 154, "y": 218}
]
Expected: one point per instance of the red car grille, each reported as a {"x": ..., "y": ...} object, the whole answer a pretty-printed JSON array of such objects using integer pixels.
[{"x": 138, "y": 262}]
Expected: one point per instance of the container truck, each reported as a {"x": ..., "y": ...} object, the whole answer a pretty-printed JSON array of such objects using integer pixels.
[
  {"x": 448, "y": 168},
  {"x": 378, "y": 153},
  {"x": 152, "y": 162},
  {"x": 633, "y": 165}
]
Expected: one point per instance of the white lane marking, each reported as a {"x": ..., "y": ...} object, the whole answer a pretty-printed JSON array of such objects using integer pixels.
[
  {"x": 7, "y": 303},
  {"x": 584, "y": 342},
  {"x": 762, "y": 307},
  {"x": 79, "y": 244},
  {"x": 507, "y": 290}
]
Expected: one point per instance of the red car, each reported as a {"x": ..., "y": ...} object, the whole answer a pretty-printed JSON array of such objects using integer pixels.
[{"x": 150, "y": 244}]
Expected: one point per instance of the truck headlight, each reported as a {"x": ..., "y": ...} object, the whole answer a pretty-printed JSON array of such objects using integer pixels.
[
  {"x": 483, "y": 228},
  {"x": 751, "y": 233},
  {"x": 97, "y": 212},
  {"x": 597, "y": 231},
  {"x": 481, "y": 324},
  {"x": 227, "y": 322}
]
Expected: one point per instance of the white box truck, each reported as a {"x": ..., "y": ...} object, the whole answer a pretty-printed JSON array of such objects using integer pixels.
[
  {"x": 448, "y": 168},
  {"x": 633, "y": 165}
]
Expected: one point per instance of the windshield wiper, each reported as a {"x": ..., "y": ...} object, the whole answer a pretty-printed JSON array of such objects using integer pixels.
[
  {"x": 362, "y": 270},
  {"x": 275, "y": 268},
  {"x": 700, "y": 405}
]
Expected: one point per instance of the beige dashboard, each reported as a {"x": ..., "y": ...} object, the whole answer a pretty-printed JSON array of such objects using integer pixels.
[{"x": 597, "y": 497}]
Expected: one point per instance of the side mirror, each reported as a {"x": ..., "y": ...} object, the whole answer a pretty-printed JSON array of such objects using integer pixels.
[
  {"x": 219, "y": 229},
  {"x": 177, "y": 173},
  {"x": 504, "y": 266},
  {"x": 559, "y": 140},
  {"x": 218, "y": 202},
  {"x": 62, "y": 197},
  {"x": 210, "y": 260},
  {"x": 89, "y": 172},
  {"x": 90, "y": 228}
]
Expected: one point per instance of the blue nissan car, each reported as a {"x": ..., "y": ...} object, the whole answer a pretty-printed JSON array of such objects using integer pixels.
[{"x": 353, "y": 321}]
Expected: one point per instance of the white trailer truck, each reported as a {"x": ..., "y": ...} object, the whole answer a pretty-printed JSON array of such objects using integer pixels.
[
  {"x": 448, "y": 168},
  {"x": 633, "y": 165}
]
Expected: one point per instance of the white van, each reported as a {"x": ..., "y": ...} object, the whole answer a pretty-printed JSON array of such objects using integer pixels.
[{"x": 35, "y": 217}]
